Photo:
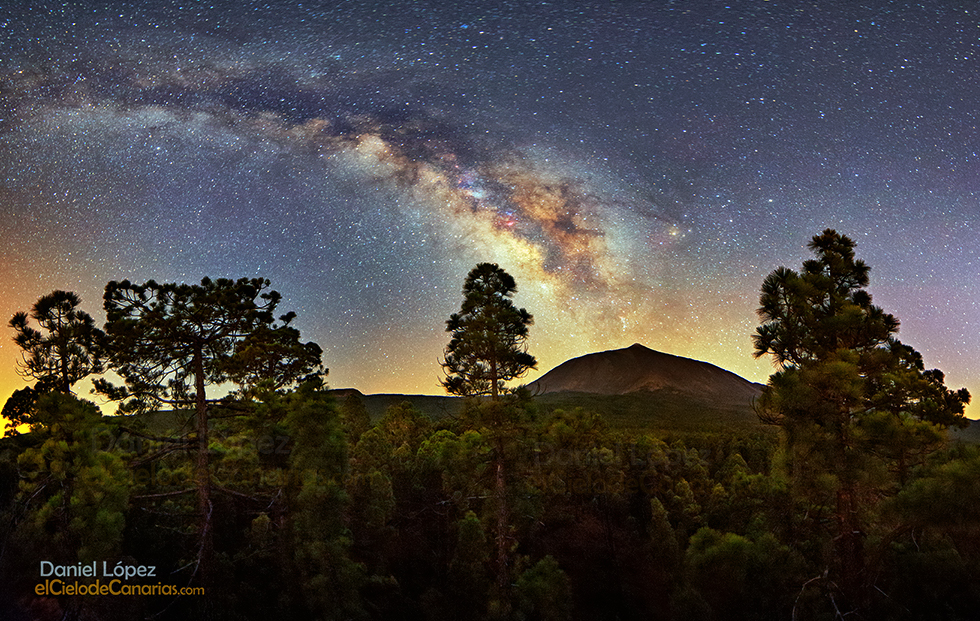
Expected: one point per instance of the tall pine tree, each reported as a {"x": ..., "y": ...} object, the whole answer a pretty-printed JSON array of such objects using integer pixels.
[
  {"x": 488, "y": 335},
  {"x": 172, "y": 342},
  {"x": 852, "y": 400},
  {"x": 488, "y": 348},
  {"x": 64, "y": 350}
]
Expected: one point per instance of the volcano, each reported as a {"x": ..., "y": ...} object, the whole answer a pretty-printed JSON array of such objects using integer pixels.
[{"x": 641, "y": 369}]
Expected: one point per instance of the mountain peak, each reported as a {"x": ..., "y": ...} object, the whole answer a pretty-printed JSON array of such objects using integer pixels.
[{"x": 638, "y": 368}]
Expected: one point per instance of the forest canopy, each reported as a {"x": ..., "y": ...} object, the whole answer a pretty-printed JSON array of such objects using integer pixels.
[{"x": 276, "y": 497}]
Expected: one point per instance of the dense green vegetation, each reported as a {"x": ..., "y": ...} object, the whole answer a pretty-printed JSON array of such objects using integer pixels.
[
  {"x": 324, "y": 515},
  {"x": 300, "y": 503},
  {"x": 662, "y": 411}
]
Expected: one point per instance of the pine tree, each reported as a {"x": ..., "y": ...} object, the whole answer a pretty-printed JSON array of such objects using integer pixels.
[
  {"x": 317, "y": 538},
  {"x": 845, "y": 389},
  {"x": 488, "y": 348},
  {"x": 73, "y": 496},
  {"x": 64, "y": 350},
  {"x": 488, "y": 335},
  {"x": 171, "y": 342}
]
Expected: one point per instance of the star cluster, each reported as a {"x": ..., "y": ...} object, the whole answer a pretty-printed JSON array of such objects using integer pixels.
[{"x": 639, "y": 167}]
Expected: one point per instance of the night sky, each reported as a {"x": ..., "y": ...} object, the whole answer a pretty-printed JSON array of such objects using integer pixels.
[{"x": 638, "y": 167}]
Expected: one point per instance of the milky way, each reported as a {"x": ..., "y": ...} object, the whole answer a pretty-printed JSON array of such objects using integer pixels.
[{"x": 638, "y": 167}]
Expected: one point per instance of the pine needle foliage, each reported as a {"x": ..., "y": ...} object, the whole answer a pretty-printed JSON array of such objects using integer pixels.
[{"x": 489, "y": 335}]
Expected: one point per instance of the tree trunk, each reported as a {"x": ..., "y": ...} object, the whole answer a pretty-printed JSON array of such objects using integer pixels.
[
  {"x": 500, "y": 492},
  {"x": 493, "y": 377},
  {"x": 64, "y": 383},
  {"x": 500, "y": 481},
  {"x": 203, "y": 472},
  {"x": 849, "y": 544},
  {"x": 850, "y": 548}
]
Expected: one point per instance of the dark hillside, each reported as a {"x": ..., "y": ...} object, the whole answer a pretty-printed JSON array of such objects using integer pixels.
[{"x": 640, "y": 369}]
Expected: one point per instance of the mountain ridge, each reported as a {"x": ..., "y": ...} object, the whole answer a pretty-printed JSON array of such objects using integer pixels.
[{"x": 640, "y": 369}]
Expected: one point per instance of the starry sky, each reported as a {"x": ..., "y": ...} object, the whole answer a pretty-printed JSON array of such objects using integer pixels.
[{"x": 638, "y": 167}]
